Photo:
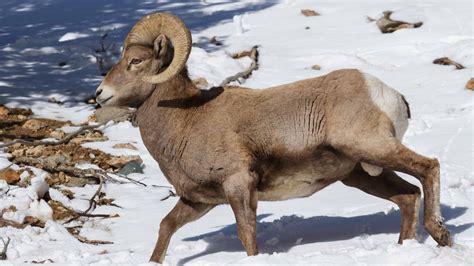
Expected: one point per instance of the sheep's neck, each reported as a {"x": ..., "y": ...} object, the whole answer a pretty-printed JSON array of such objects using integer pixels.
[{"x": 162, "y": 118}]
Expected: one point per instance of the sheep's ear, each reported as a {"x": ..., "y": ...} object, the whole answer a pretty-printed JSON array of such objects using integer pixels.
[{"x": 160, "y": 46}]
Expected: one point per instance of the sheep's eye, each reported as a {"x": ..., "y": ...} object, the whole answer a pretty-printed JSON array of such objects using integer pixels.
[{"x": 136, "y": 61}]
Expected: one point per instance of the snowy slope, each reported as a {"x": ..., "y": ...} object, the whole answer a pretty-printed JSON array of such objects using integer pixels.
[{"x": 338, "y": 225}]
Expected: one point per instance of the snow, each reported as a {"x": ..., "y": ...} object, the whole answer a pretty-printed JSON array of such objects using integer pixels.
[
  {"x": 338, "y": 225},
  {"x": 72, "y": 36}
]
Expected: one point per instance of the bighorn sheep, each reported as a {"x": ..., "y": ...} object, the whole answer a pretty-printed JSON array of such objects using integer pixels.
[{"x": 237, "y": 146}]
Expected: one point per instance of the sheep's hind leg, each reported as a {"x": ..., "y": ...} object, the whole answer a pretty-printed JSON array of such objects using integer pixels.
[
  {"x": 241, "y": 194},
  {"x": 184, "y": 212},
  {"x": 389, "y": 153},
  {"x": 391, "y": 187}
]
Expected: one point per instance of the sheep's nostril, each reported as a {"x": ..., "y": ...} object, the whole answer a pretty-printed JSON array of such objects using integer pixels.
[{"x": 98, "y": 92}]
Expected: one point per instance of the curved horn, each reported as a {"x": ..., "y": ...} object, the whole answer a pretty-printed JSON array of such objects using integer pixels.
[{"x": 149, "y": 27}]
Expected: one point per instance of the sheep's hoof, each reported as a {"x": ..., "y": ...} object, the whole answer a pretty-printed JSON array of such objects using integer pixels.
[{"x": 445, "y": 238}]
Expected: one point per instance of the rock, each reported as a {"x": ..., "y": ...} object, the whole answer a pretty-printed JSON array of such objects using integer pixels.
[
  {"x": 309, "y": 13},
  {"x": 470, "y": 84},
  {"x": 89, "y": 137},
  {"x": 107, "y": 113},
  {"x": 124, "y": 146},
  {"x": 131, "y": 167},
  {"x": 34, "y": 124},
  {"x": 18, "y": 152},
  {"x": 10, "y": 176},
  {"x": 35, "y": 151},
  {"x": 58, "y": 134},
  {"x": 120, "y": 161},
  {"x": 4, "y": 110},
  {"x": 316, "y": 67}
]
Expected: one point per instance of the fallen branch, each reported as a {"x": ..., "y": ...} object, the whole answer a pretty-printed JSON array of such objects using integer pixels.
[
  {"x": 127, "y": 178},
  {"x": 75, "y": 233},
  {"x": 447, "y": 61},
  {"x": 90, "y": 215},
  {"x": 67, "y": 138},
  {"x": 388, "y": 25},
  {"x": 253, "y": 54},
  {"x": 92, "y": 202},
  {"x": 3, "y": 254}
]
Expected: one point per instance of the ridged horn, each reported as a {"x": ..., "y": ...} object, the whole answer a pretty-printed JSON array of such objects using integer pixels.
[{"x": 149, "y": 27}]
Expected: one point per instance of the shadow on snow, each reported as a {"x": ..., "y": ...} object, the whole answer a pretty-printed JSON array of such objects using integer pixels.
[{"x": 282, "y": 234}]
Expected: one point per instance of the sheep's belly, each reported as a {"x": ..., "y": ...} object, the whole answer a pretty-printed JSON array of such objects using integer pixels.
[
  {"x": 296, "y": 180},
  {"x": 290, "y": 189}
]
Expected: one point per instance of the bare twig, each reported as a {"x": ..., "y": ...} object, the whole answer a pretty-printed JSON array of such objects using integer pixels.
[
  {"x": 126, "y": 177},
  {"x": 246, "y": 73},
  {"x": 3, "y": 254},
  {"x": 171, "y": 194},
  {"x": 6, "y": 168},
  {"x": 75, "y": 233},
  {"x": 66, "y": 139},
  {"x": 169, "y": 187},
  {"x": 92, "y": 202}
]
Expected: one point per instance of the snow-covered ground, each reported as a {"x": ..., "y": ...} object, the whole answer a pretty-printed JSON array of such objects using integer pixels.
[{"x": 49, "y": 49}]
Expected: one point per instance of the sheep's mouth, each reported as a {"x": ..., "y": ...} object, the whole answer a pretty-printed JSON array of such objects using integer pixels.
[{"x": 102, "y": 102}]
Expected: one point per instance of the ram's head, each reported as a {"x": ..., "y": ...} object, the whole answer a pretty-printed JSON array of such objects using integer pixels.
[{"x": 155, "y": 50}]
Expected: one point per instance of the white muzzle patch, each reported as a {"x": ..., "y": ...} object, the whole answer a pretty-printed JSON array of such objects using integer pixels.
[{"x": 104, "y": 94}]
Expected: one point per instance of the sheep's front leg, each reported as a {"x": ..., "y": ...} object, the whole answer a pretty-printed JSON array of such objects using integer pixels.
[
  {"x": 241, "y": 194},
  {"x": 184, "y": 212}
]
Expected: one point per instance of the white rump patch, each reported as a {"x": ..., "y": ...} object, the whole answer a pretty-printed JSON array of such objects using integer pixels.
[{"x": 391, "y": 103}]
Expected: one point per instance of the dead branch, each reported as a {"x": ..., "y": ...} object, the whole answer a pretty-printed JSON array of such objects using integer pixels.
[
  {"x": 92, "y": 202},
  {"x": 67, "y": 138},
  {"x": 127, "y": 178},
  {"x": 253, "y": 54},
  {"x": 170, "y": 194},
  {"x": 447, "y": 61},
  {"x": 42, "y": 261},
  {"x": 90, "y": 215},
  {"x": 3, "y": 254},
  {"x": 388, "y": 25},
  {"x": 75, "y": 233}
]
